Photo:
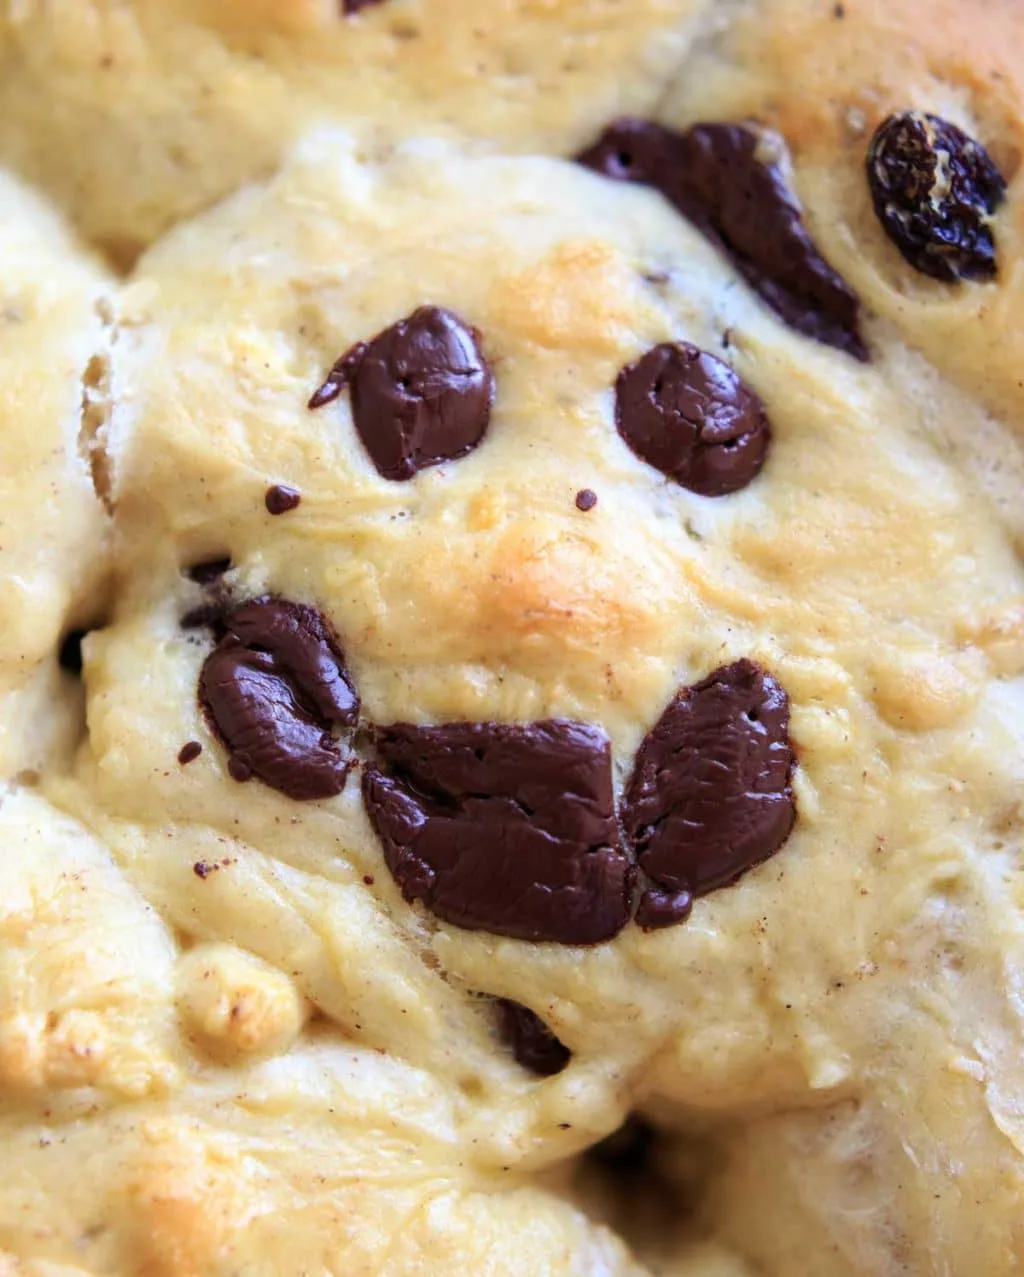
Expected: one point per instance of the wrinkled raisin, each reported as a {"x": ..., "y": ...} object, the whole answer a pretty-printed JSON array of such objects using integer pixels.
[{"x": 935, "y": 190}]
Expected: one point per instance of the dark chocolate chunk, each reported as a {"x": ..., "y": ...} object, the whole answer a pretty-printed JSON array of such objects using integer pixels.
[
  {"x": 69, "y": 657},
  {"x": 693, "y": 418},
  {"x": 280, "y": 498},
  {"x": 189, "y": 752},
  {"x": 508, "y": 829},
  {"x": 208, "y": 572},
  {"x": 273, "y": 688},
  {"x": 586, "y": 499},
  {"x": 710, "y": 794},
  {"x": 724, "y": 178},
  {"x": 421, "y": 392},
  {"x": 935, "y": 191},
  {"x": 348, "y": 7},
  {"x": 533, "y": 1044},
  {"x": 660, "y": 908}
]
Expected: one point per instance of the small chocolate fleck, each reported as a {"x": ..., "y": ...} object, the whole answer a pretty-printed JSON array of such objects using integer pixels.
[
  {"x": 70, "y": 655},
  {"x": 207, "y": 572},
  {"x": 202, "y": 870},
  {"x": 710, "y": 794},
  {"x": 660, "y": 908},
  {"x": 368, "y": 879},
  {"x": 348, "y": 7},
  {"x": 586, "y": 499},
  {"x": 726, "y": 180},
  {"x": 508, "y": 829},
  {"x": 839, "y": 11},
  {"x": 533, "y": 1044},
  {"x": 189, "y": 752},
  {"x": 273, "y": 689},
  {"x": 421, "y": 392},
  {"x": 935, "y": 191},
  {"x": 693, "y": 418},
  {"x": 280, "y": 498}
]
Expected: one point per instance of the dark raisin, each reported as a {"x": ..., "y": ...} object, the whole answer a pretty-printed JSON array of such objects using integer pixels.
[{"x": 935, "y": 190}]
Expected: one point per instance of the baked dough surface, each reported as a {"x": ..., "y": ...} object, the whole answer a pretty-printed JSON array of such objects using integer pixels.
[{"x": 228, "y": 1043}]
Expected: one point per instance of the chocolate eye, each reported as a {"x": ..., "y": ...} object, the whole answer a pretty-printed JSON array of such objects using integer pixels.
[
  {"x": 935, "y": 191},
  {"x": 693, "y": 418},
  {"x": 710, "y": 794},
  {"x": 726, "y": 180},
  {"x": 421, "y": 392},
  {"x": 273, "y": 688},
  {"x": 506, "y": 829}
]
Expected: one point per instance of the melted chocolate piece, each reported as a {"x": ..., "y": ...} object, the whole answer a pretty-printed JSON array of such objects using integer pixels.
[
  {"x": 533, "y": 1044},
  {"x": 280, "y": 499},
  {"x": 273, "y": 688},
  {"x": 710, "y": 795},
  {"x": 69, "y": 657},
  {"x": 717, "y": 176},
  {"x": 208, "y": 572},
  {"x": 690, "y": 416},
  {"x": 935, "y": 190},
  {"x": 586, "y": 499},
  {"x": 421, "y": 392},
  {"x": 508, "y": 829},
  {"x": 189, "y": 752},
  {"x": 660, "y": 908}
]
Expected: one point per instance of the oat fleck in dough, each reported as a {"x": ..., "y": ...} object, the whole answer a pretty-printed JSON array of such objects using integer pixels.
[{"x": 625, "y": 722}]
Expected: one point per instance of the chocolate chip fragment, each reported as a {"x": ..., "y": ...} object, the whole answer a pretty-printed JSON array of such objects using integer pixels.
[
  {"x": 189, "y": 752},
  {"x": 421, "y": 392},
  {"x": 348, "y": 7},
  {"x": 508, "y": 829},
  {"x": 208, "y": 572},
  {"x": 660, "y": 908},
  {"x": 273, "y": 688},
  {"x": 533, "y": 1044},
  {"x": 69, "y": 657},
  {"x": 935, "y": 190},
  {"x": 690, "y": 416},
  {"x": 280, "y": 498},
  {"x": 586, "y": 499},
  {"x": 728, "y": 181},
  {"x": 710, "y": 794}
]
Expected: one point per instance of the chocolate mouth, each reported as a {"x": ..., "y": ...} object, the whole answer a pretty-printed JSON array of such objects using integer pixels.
[{"x": 513, "y": 828}]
